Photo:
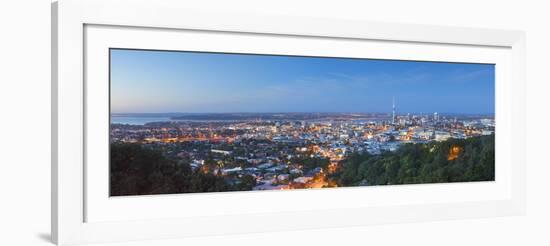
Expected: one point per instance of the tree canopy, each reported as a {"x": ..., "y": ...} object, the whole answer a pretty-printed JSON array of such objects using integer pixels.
[
  {"x": 454, "y": 160},
  {"x": 135, "y": 170}
]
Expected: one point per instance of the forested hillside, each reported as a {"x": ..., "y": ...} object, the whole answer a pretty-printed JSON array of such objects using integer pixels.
[{"x": 454, "y": 160}]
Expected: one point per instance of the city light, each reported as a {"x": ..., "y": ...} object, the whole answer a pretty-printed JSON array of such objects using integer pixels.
[{"x": 278, "y": 152}]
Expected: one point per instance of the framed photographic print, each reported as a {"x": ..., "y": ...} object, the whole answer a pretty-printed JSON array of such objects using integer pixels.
[{"x": 172, "y": 125}]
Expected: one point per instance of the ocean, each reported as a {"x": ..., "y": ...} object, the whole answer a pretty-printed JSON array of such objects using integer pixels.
[{"x": 137, "y": 120}]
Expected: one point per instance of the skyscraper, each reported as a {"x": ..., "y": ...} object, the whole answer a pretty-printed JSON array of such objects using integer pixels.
[{"x": 393, "y": 111}]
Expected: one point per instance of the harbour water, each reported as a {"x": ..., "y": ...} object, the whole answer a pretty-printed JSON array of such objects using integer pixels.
[{"x": 137, "y": 120}]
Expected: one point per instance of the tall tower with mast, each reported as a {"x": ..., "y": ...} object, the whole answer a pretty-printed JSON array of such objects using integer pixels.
[{"x": 393, "y": 111}]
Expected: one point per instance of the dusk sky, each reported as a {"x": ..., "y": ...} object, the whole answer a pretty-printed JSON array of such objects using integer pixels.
[{"x": 190, "y": 82}]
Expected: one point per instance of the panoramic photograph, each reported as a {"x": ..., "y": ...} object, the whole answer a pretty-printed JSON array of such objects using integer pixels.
[{"x": 194, "y": 122}]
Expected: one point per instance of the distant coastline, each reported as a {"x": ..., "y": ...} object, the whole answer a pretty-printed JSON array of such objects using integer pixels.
[{"x": 143, "y": 118}]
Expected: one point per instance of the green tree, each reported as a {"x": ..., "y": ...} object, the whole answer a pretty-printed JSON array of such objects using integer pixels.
[{"x": 422, "y": 163}]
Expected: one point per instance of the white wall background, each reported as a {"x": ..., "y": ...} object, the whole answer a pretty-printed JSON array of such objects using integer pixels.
[{"x": 25, "y": 122}]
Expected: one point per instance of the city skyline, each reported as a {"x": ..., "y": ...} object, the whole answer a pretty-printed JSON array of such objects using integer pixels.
[
  {"x": 193, "y": 82},
  {"x": 192, "y": 122}
]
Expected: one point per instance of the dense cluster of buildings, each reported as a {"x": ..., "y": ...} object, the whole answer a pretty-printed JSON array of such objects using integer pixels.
[{"x": 286, "y": 154}]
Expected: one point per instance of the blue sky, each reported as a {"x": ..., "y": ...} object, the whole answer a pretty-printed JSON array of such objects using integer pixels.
[{"x": 166, "y": 81}]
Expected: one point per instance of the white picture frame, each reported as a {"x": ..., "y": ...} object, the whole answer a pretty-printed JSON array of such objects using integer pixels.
[{"x": 81, "y": 213}]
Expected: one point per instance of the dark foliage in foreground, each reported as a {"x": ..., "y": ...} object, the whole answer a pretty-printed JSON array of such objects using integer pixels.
[
  {"x": 434, "y": 162},
  {"x": 136, "y": 170}
]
